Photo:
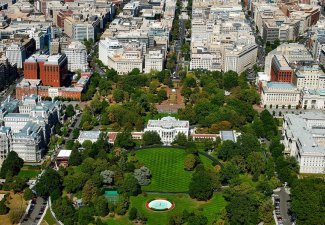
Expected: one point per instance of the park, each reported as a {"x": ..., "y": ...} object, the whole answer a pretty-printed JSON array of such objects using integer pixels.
[{"x": 170, "y": 181}]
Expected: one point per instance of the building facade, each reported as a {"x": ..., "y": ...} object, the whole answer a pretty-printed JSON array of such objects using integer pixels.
[
  {"x": 304, "y": 139},
  {"x": 77, "y": 57},
  {"x": 168, "y": 128},
  {"x": 281, "y": 94},
  {"x": 51, "y": 70}
]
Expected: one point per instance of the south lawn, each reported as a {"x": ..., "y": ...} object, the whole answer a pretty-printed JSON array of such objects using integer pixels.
[
  {"x": 211, "y": 209},
  {"x": 167, "y": 169}
]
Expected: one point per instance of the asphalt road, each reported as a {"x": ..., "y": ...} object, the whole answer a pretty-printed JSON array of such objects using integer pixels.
[
  {"x": 35, "y": 212},
  {"x": 284, "y": 197}
]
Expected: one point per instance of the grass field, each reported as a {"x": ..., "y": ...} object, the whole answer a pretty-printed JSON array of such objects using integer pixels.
[
  {"x": 211, "y": 209},
  {"x": 48, "y": 218},
  {"x": 167, "y": 168},
  {"x": 29, "y": 172}
]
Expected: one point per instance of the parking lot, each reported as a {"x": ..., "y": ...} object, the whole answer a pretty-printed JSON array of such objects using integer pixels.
[
  {"x": 282, "y": 207},
  {"x": 35, "y": 212}
]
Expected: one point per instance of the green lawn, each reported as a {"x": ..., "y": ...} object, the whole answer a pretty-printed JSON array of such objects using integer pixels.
[
  {"x": 211, "y": 209},
  {"x": 167, "y": 168},
  {"x": 49, "y": 218},
  {"x": 28, "y": 173}
]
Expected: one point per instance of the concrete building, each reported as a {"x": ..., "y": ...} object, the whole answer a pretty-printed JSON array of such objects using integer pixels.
[
  {"x": 313, "y": 99},
  {"x": 278, "y": 93},
  {"x": 304, "y": 139},
  {"x": 293, "y": 53},
  {"x": 29, "y": 142},
  {"x": 121, "y": 57},
  {"x": 77, "y": 57},
  {"x": 8, "y": 73},
  {"x": 154, "y": 60},
  {"x": 309, "y": 77},
  {"x": 16, "y": 55},
  {"x": 80, "y": 28},
  {"x": 240, "y": 58},
  {"x": 5, "y": 142},
  {"x": 168, "y": 128}
]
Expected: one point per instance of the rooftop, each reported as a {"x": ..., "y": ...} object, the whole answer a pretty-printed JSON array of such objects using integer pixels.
[
  {"x": 89, "y": 134},
  {"x": 280, "y": 85}
]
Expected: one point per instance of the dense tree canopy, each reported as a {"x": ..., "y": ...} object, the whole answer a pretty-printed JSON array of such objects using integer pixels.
[
  {"x": 11, "y": 165},
  {"x": 49, "y": 182}
]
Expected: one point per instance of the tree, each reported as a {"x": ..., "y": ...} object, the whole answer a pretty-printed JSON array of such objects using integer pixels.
[
  {"x": 201, "y": 186},
  {"x": 124, "y": 140},
  {"x": 75, "y": 133},
  {"x": 248, "y": 143},
  {"x": 49, "y": 182},
  {"x": 16, "y": 214},
  {"x": 230, "y": 80},
  {"x": 190, "y": 162},
  {"x": 197, "y": 220},
  {"x": 143, "y": 175},
  {"x": 133, "y": 214},
  {"x": 28, "y": 194},
  {"x": 101, "y": 206},
  {"x": 75, "y": 158},
  {"x": 85, "y": 215},
  {"x": 242, "y": 210},
  {"x": 131, "y": 185},
  {"x": 229, "y": 172},
  {"x": 12, "y": 164},
  {"x": 75, "y": 182},
  {"x": 89, "y": 191},
  {"x": 18, "y": 184},
  {"x": 308, "y": 201},
  {"x": 122, "y": 205},
  {"x": 161, "y": 95},
  {"x": 255, "y": 163},
  {"x": 3, "y": 206},
  {"x": 108, "y": 176},
  {"x": 69, "y": 111},
  {"x": 265, "y": 212},
  {"x": 180, "y": 140},
  {"x": 64, "y": 210},
  {"x": 228, "y": 150},
  {"x": 151, "y": 138},
  {"x": 118, "y": 95}
]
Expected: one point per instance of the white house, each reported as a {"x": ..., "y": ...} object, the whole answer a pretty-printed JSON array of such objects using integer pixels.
[{"x": 168, "y": 128}]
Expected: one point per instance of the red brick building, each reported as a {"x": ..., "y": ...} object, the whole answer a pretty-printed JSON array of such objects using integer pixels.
[
  {"x": 280, "y": 70},
  {"x": 51, "y": 70}
]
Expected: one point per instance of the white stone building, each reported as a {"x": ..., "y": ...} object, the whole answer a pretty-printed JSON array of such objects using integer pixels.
[
  {"x": 16, "y": 54},
  {"x": 77, "y": 56},
  {"x": 277, "y": 93},
  {"x": 313, "y": 99},
  {"x": 29, "y": 142},
  {"x": 5, "y": 141},
  {"x": 168, "y": 128},
  {"x": 240, "y": 58},
  {"x": 304, "y": 139},
  {"x": 309, "y": 78},
  {"x": 154, "y": 60}
]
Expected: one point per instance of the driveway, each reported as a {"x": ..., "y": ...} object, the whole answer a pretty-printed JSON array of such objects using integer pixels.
[
  {"x": 35, "y": 212},
  {"x": 284, "y": 197}
]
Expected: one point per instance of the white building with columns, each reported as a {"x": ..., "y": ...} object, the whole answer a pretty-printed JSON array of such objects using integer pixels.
[
  {"x": 168, "y": 128},
  {"x": 304, "y": 139},
  {"x": 278, "y": 93}
]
